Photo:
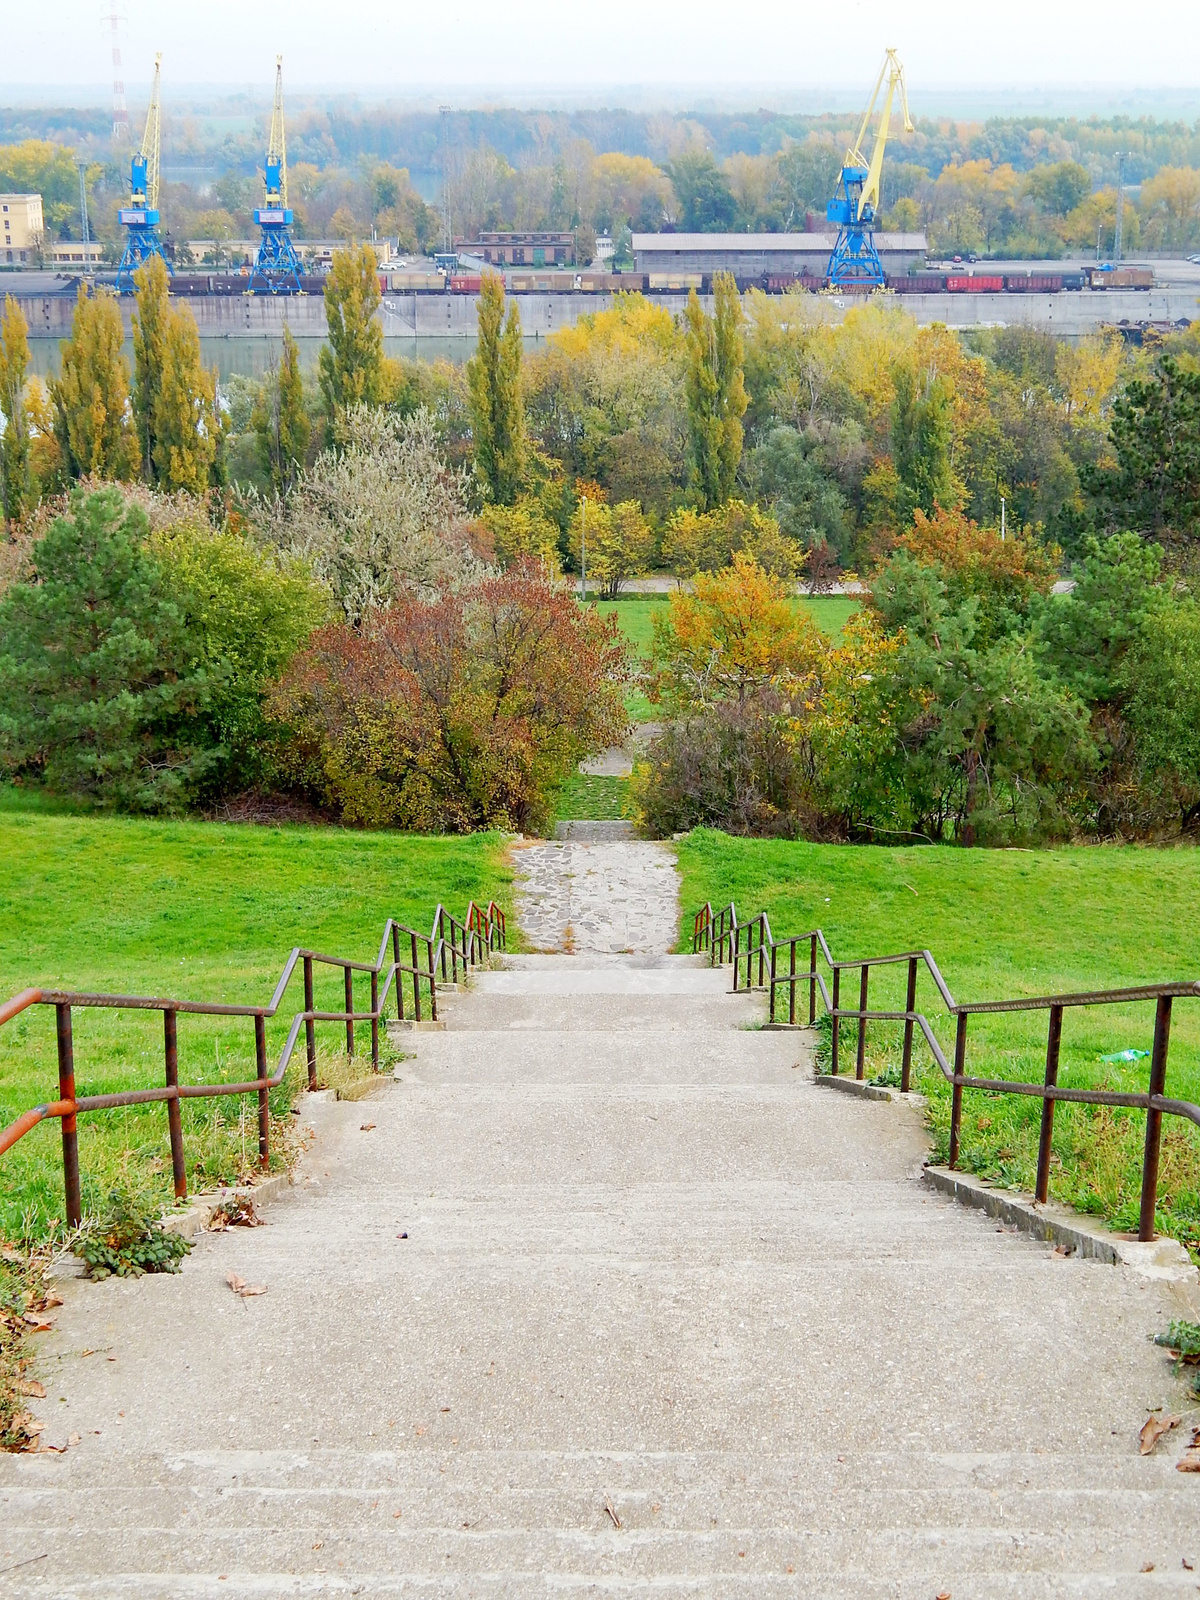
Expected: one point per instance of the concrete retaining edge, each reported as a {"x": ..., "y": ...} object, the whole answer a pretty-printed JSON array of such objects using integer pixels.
[
  {"x": 1163, "y": 1259},
  {"x": 868, "y": 1091}
]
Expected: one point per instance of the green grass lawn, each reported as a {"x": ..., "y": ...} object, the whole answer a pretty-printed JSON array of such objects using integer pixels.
[
  {"x": 1002, "y": 924},
  {"x": 597, "y": 799},
  {"x": 191, "y": 910}
]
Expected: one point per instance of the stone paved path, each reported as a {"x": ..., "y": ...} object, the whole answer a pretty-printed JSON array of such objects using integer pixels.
[
  {"x": 604, "y": 1297},
  {"x": 598, "y": 897}
]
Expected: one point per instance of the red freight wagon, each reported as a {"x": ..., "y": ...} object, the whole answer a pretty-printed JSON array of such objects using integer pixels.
[
  {"x": 975, "y": 285},
  {"x": 466, "y": 283}
]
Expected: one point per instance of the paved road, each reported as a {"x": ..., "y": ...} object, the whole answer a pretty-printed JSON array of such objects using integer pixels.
[{"x": 669, "y": 1319}]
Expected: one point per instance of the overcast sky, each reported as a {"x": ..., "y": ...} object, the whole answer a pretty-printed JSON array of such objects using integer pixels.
[{"x": 388, "y": 44}]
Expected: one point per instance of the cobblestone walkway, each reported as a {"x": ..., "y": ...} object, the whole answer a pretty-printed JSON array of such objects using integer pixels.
[{"x": 598, "y": 896}]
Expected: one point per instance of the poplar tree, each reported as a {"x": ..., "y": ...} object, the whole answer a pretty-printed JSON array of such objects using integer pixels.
[
  {"x": 187, "y": 427},
  {"x": 150, "y": 320},
  {"x": 716, "y": 391},
  {"x": 922, "y": 434},
  {"x": 280, "y": 420},
  {"x": 174, "y": 398},
  {"x": 350, "y": 367},
  {"x": 14, "y": 445},
  {"x": 93, "y": 417},
  {"x": 497, "y": 405}
]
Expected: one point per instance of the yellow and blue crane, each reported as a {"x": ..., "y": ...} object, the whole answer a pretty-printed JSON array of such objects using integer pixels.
[
  {"x": 140, "y": 217},
  {"x": 855, "y": 261},
  {"x": 276, "y": 265}
]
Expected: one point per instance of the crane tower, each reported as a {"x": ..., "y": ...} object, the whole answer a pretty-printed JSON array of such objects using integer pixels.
[
  {"x": 276, "y": 265},
  {"x": 140, "y": 217},
  {"x": 855, "y": 261}
]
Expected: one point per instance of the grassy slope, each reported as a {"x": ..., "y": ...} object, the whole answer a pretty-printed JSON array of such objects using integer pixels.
[
  {"x": 1002, "y": 924},
  {"x": 194, "y": 910}
]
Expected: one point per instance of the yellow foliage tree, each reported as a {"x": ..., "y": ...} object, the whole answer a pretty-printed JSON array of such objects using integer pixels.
[
  {"x": 91, "y": 394},
  {"x": 735, "y": 634},
  {"x": 522, "y": 531},
  {"x": 620, "y": 543},
  {"x": 1087, "y": 375}
]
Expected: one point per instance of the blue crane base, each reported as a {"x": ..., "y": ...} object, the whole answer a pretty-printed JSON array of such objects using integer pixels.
[
  {"x": 276, "y": 267},
  {"x": 855, "y": 261},
  {"x": 141, "y": 245}
]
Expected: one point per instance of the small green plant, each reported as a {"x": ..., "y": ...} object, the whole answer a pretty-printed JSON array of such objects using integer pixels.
[
  {"x": 1183, "y": 1340},
  {"x": 129, "y": 1241},
  {"x": 889, "y": 1078}
]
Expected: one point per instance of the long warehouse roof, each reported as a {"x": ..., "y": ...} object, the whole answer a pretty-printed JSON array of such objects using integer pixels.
[{"x": 766, "y": 241}]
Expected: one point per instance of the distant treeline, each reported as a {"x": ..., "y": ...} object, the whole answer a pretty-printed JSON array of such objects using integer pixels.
[{"x": 231, "y": 136}]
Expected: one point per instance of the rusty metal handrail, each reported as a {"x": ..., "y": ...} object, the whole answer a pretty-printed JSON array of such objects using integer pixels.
[
  {"x": 469, "y": 942},
  {"x": 752, "y": 942}
]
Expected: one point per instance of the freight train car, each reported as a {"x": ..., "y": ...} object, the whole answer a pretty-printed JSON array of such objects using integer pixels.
[{"x": 228, "y": 283}]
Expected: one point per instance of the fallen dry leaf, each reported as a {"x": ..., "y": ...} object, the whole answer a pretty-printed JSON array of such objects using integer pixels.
[
  {"x": 31, "y": 1387},
  {"x": 612, "y": 1512},
  {"x": 1187, "y": 1565},
  {"x": 1148, "y": 1567},
  {"x": 75, "y": 1438},
  {"x": 943, "y": 1594},
  {"x": 49, "y": 1300},
  {"x": 1152, "y": 1431},
  {"x": 1189, "y": 1461},
  {"x": 39, "y": 1321},
  {"x": 366, "y": 1127},
  {"x": 241, "y": 1287}
]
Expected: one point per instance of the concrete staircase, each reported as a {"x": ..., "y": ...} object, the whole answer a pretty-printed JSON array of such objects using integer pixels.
[{"x": 668, "y": 1320}]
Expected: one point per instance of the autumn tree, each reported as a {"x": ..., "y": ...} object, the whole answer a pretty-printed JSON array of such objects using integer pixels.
[
  {"x": 922, "y": 427},
  {"x": 620, "y": 543},
  {"x": 716, "y": 391},
  {"x": 14, "y": 445},
  {"x": 461, "y": 712},
  {"x": 497, "y": 403},
  {"x": 350, "y": 367},
  {"x": 522, "y": 532},
  {"x": 93, "y": 415},
  {"x": 1154, "y": 486},
  {"x": 152, "y": 313},
  {"x": 280, "y": 420},
  {"x": 734, "y": 635},
  {"x": 706, "y": 541}
]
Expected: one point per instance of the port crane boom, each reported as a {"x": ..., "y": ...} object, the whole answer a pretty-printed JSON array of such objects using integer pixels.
[
  {"x": 276, "y": 265},
  {"x": 140, "y": 217},
  {"x": 855, "y": 260}
]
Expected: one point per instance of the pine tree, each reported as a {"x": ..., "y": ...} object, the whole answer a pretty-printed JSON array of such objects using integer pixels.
[
  {"x": 280, "y": 420},
  {"x": 716, "y": 391},
  {"x": 93, "y": 418},
  {"x": 351, "y": 365},
  {"x": 497, "y": 405},
  {"x": 14, "y": 445},
  {"x": 150, "y": 320},
  {"x": 187, "y": 428}
]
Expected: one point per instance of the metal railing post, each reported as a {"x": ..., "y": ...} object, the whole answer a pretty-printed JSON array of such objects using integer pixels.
[
  {"x": 174, "y": 1120},
  {"x": 960, "y": 1064},
  {"x": 264, "y": 1094},
  {"x": 762, "y": 941},
  {"x": 310, "y": 1027},
  {"x": 416, "y": 978},
  {"x": 792, "y": 988},
  {"x": 812, "y": 982},
  {"x": 397, "y": 974},
  {"x": 1053, "y": 1041},
  {"x": 1158, "y": 1083},
  {"x": 835, "y": 1037},
  {"x": 374, "y": 1021},
  {"x": 737, "y": 946},
  {"x": 774, "y": 951},
  {"x": 860, "y": 1064},
  {"x": 70, "y": 1136},
  {"x": 910, "y": 1005},
  {"x": 348, "y": 987}
]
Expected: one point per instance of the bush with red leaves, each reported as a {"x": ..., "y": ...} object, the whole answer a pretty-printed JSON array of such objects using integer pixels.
[{"x": 463, "y": 712}]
